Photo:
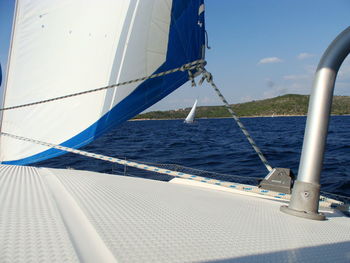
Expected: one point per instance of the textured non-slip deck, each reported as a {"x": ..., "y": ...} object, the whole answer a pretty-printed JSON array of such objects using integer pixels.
[
  {"x": 68, "y": 215},
  {"x": 31, "y": 227}
]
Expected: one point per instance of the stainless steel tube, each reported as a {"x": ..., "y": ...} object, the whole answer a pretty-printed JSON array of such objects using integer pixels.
[
  {"x": 319, "y": 109},
  {"x": 306, "y": 191}
]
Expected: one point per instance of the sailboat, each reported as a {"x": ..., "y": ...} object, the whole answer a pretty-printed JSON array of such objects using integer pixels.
[
  {"x": 191, "y": 115},
  {"x": 79, "y": 68}
]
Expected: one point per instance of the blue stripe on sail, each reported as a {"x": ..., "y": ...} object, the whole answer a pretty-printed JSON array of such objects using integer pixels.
[
  {"x": 0, "y": 75},
  {"x": 186, "y": 38}
]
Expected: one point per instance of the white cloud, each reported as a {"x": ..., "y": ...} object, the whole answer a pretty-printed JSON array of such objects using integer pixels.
[
  {"x": 270, "y": 60},
  {"x": 296, "y": 77},
  {"x": 305, "y": 55}
]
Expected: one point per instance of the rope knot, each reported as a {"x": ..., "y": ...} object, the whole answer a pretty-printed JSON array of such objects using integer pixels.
[
  {"x": 194, "y": 69},
  {"x": 191, "y": 78},
  {"x": 206, "y": 76},
  {"x": 183, "y": 67}
]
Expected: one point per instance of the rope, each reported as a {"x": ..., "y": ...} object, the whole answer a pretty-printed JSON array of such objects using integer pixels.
[
  {"x": 213, "y": 175},
  {"x": 209, "y": 78},
  {"x": 197, "y": 64},
  {"x": 324, "y": 201}
]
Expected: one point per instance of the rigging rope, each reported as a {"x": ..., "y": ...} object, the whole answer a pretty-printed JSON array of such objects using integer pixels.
[
  {"x": 324, "y": 201},
  {"x": 209, "y": 78},
  {"x": 197, "y": 64}
]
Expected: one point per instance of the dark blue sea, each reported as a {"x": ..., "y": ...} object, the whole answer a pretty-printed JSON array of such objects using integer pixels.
[{"x": 217, "y": 145}]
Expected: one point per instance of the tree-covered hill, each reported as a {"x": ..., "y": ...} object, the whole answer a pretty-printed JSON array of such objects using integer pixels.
[{"x": 285, "y": 105}]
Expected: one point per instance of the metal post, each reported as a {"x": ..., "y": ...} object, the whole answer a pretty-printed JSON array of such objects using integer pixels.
[{"x": 306, "y": 191}]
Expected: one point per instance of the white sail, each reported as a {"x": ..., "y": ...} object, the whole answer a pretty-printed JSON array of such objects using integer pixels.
[
  {"x": 61, "y": 47},
  {"x": 190, "y": 117}
]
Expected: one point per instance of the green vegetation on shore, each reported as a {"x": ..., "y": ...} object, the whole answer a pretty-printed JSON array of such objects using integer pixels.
[{"x": 286, "y": 105}]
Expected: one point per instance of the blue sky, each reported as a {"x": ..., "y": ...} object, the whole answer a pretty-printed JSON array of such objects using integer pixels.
[
  {"x": 6, "y": 14},
  {"x": 259, "y": 48}
]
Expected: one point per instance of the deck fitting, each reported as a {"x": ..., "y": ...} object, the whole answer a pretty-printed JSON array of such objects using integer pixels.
[
  {"x": 278, "y": 180},
  {"x": 304, "y": 201}
]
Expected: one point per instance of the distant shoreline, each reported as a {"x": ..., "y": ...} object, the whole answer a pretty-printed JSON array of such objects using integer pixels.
[
  {"x": 167, "y": 119},
  {"x": 290, "y": 105},
  {"x": 145, "y": 119}
]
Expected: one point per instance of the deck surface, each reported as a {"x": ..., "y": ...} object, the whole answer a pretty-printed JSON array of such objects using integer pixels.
[{"x": 70, "y": 216}]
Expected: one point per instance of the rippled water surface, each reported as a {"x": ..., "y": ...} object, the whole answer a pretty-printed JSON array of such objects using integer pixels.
[{"x": 218, "y": 145}]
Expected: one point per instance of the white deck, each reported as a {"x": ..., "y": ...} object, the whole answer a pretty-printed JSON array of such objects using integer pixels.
[{"x": 67, "y": 215}]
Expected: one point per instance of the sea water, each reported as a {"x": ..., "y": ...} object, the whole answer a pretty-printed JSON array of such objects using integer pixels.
[{"x": 218, "y": 145}]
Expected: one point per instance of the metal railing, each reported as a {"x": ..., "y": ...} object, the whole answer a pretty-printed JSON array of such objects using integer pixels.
[{"x": 306, "y": 191}]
